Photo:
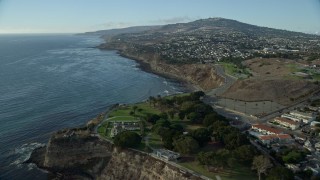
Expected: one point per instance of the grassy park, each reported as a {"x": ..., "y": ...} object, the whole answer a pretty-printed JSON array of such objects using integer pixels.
[{"x": 184, "y": 130}]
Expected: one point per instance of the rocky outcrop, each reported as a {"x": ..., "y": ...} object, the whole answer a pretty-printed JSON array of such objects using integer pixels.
[
  {"x": 135, "y": 165},
  {"x": 77, "y": 154}
]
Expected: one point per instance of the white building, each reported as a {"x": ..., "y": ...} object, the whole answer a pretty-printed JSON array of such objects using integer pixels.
[
  {"x": 278, "y": 138},
  {"x": 287, "y": 122},
  {"x": 167, "y": 154},
  {"x": 121, "y": 126},
  {"x": 292, "y": 117},
  {"x": 305, "y": 117},
  {"x": 265, "y": 129},
  {"x": 298, "y": 116}
]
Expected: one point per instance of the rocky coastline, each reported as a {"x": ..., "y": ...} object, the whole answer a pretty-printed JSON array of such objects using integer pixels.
[
  {"x": 78, "y": 153},
  {"x": 194, "y": 77}
]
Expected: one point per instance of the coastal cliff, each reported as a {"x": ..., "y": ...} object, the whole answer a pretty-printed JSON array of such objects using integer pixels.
[
  {"x": 201, "y": 76},
  {"x": 78, "y": 154}
]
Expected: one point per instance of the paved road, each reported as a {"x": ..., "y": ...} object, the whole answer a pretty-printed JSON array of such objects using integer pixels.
[
  {"x": 211, "y": 98},
  {"x": 228, "y": 81}
]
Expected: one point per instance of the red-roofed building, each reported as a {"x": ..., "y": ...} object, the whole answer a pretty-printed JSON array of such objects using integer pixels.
[
  {"x": 265, "y": 129},
  {"x": 279, "y": 138},
  {"x": 287, "y": 122}
]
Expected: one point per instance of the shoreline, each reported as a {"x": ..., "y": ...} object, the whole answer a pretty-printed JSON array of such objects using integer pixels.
[{"x": 144, "y": 66}]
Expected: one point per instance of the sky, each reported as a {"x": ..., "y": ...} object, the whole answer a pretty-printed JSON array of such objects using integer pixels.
[{"x": 74, "y": 16}]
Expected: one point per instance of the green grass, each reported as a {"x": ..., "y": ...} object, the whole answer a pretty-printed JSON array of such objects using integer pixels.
[
  {"x": 145, "y": 107},
  {"x": 122, "y": 111},
  {"x": 230, "y": 68},
  {"x": 123, "y": 118},
  {"x": 293, "y": 77},
  {"x": 177, "y": 95},
  {"x": 293, "y": 68},
  {"x": 239, "y": 172},
  {"x": 316, "y": 77}
]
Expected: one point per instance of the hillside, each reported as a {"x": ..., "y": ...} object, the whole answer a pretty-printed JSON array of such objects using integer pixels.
[
  {"x": 113, "y": 32},
  {"x": 216, "y": 39},
  {"x": 179, "y": 49}
]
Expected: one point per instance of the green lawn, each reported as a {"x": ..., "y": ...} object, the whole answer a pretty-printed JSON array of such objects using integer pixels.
[
  {"x": 145, "y": 107},
  {"x": 316, "y": 77},
  {"x": 293, "y": 68},
  {"x": 104, "y": 130},
  {"x": 239, "y": 172},
  {"x": 230, "y": 68},
  {"x": 123, "y": 118},
  {"x": 233, "y": 70}
]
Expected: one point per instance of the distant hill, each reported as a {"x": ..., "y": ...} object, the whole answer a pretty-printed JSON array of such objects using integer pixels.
[
  {"x": 113, "y": 32},
  {"x": 214, "y": 39}
]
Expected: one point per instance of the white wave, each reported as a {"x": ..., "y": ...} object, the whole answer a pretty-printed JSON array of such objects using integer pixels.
[
  {"x": 165, "y": 82},
  {"x": 23, "y": 153}
]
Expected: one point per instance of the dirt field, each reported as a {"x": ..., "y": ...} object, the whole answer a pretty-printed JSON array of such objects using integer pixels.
[
  {"x": 272, "y": 68},
  {"x": 282, "y": 91}
]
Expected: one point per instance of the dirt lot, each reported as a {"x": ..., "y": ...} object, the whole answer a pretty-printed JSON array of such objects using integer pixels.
[
  {"x": 282, "y": 91},
  {"x": 272, "y": 68}
]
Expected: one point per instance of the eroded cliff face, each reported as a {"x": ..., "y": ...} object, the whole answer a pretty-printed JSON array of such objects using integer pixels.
[
  {"x": 134, "y": 165},
  {"x": 203, "y": 76},
  {"x": 81, "y": 155}
]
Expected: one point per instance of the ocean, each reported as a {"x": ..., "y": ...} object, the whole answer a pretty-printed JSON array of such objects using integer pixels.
[{"x": 50, "y": 82}]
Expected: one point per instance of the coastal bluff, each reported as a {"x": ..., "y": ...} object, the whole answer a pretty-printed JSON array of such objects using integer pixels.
[{"x": 80, "y": 154}]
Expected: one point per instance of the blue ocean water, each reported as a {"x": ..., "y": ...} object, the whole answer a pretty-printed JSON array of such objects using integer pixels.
[{"x": 49, "y": 82}]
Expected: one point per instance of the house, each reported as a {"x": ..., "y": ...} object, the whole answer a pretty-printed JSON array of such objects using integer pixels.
[
  {"x": 308, "y": 145},
  {"x": 276, "y": 138},
  {"x": 285, "y": 138},
  {"x": 317, "y": 146},
  {"x": 120, "y": 126},
  {"x": 297, "y": 116},
  {"x": 287, "y": 122},
  {"x": 291, "y": 117},
  {"x": 314, "y": 123},
  {"x": 167, "y": 154},
  {"x": 265, "y": 129},
  {"x": 294, "y": 168},
  {"x": 267, "y": 139}
]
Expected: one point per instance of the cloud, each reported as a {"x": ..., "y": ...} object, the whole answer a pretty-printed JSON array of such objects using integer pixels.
[
  {"x": 111, "y": 25},
  {"x": 172, "y": 20}
]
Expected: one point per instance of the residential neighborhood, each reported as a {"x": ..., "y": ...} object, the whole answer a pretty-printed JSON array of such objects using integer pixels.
[{"x": 292, "y": 134}]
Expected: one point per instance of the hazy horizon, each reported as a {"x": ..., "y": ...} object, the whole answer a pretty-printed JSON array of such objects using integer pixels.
[{"x": 44, "y": 16}]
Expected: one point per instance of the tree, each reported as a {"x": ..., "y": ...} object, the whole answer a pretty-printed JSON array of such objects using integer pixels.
[
  {"x": 209, "y": 119},
  {"x": 127, "y": 139},
  {"x": 261, "y": 164},
  {"x": 152, "y": 118},
  {"x": 182, "y": 115},
  {"x": 152, "y": 100},
  {"x": 171, "y": 114},
  {"x": 205, "y": 158},
  {"x": 294, "y": 157},
  {"x": 134, "y": 108},
  {"x": 234, "y": 139},
  {"x": 202, "y": 135},
  {"x": 193, "y": 116},
  {"x": 186, "y": 145},
  {"x": 163, "y": 116},
  {"x": 245, "y": 153},
  {"x": 280, "y": 173}
]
